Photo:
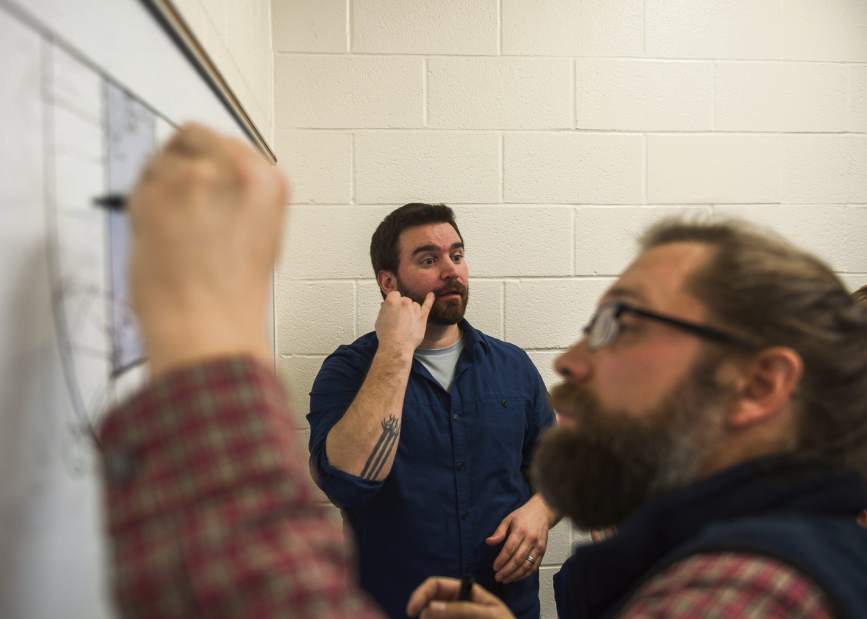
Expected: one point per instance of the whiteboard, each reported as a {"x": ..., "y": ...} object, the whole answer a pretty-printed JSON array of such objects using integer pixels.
[{"x": 90, "y": 88}]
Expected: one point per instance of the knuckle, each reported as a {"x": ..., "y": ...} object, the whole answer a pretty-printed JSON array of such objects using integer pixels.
[
  {"x": 202, "y": 172},
  {"x": 246, "y": 172}
]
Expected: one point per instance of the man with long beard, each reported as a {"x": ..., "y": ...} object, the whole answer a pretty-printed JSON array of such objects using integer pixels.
[
  {"x": 714, "y": 413},
  {"x": 421, "y": 432}
]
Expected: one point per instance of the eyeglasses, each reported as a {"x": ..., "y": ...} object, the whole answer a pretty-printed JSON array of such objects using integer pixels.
[{"x": 604, "y": 326}]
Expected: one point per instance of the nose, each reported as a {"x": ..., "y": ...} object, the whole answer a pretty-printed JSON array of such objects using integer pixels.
[
  {"x": 574, "y": 365},
  {"x": 448, "y": 269}
]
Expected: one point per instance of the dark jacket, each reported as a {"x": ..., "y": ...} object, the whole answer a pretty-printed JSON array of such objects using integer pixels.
[{"x": 802, "y": 513}]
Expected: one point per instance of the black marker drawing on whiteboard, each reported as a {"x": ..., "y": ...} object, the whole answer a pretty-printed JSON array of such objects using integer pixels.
[{"x": 96, "y": 331}]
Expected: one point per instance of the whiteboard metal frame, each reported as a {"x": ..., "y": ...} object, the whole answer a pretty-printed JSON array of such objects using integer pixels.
[
  {"x": 179, "y": 31},
  {"x": 151, "y": 29}
]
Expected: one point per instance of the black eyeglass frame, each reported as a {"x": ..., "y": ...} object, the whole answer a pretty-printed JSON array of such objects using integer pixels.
[{"x": 704, "y": 331}]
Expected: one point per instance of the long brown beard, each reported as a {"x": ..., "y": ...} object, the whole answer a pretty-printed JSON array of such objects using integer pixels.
[{"x": 606, "y": 467}]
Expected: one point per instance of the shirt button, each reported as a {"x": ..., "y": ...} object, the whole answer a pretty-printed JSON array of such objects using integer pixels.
[
  {"x": 459, "y": 466},
  {"x": 503, "y": 403},
  {"x": 455, "y": 417}
]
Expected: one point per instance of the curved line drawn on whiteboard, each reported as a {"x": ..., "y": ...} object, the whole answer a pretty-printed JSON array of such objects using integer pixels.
[
  {"x": 79, "y": 309},
  {"x": 97, "y": 137}
]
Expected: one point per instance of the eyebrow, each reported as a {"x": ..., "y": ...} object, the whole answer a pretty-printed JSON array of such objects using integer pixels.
[
  {"x": 624, "y": 292},
  {"x": 435, "y": 248}
]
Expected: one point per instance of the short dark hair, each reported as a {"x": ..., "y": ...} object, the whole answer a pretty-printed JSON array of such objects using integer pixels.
[
  {"x": 860, "y": 295},
  {"x": 760, "y": 286},
  {"x": 384, "y": 245}
]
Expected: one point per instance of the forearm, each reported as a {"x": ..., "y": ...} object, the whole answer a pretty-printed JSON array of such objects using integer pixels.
[
  {"x": 364, "y": 441},
  {"x": 182, "y": 340}
]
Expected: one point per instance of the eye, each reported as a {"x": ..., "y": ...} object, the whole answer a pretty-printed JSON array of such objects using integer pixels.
[
  {"x": 627, "y": 325},
  {"x": 457, "y": 257},
  {"x": 427, "y": 261}
]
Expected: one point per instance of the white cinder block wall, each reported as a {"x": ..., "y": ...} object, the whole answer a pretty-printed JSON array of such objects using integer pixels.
[{"x": 557, "y": 129}]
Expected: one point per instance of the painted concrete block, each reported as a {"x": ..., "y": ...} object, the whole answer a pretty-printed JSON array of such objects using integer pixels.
[
  {"x": 638, "y": 95},
  {"x": 309, "y": 25},
  {"x": 858, "y": 99},
  {"x": 517, "y": 241},
  {"x": 434, "y": 166},
  {"x": 737, "y": 29},
  {"x": 825, "y": 169},
  {"x": 493, "y": 93},
  {"x": 313, "y": 318},
  {"x": 329, "y": 91},
  {"x": 829, "y": 30},
  {"x": 318, "y": 165},
  {"x": 773, "y": 96},
  {"x": 573, "y": 27},
  {"x": 424, "y": 27},
  {"x": 329, "y": 242},
  {"x": 298, "y": 374},
  {"x": 573, "y": 168},
  {"x": 713, "y": 168}
]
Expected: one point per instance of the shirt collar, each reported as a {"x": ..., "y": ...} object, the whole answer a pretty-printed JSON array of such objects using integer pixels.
[{"x": 474, "y": 340}]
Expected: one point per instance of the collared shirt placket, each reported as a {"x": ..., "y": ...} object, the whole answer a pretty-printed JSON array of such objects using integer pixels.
[{"x": 460, "y": 462}]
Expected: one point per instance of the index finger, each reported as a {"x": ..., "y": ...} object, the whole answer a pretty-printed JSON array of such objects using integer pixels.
[
  {"x": 459, "y": 610},
  {"x": 192, "y": 139},
  {"x": 507, "y": 553},
  {"x": 429, "y": 299},
  {"x": 434, "y": 588}
]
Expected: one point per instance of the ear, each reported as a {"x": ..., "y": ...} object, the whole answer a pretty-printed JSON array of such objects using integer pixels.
[
  {"x": 387, "y": 282},
  {"x": 765, "y": 386}
]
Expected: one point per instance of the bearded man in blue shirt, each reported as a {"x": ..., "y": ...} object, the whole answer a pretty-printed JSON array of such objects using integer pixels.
[{"x": 422, "y": 431}]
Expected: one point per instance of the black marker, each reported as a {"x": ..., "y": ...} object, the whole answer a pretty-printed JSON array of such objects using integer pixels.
[
  {"x": 111, "y": 201},
  {"x": 465, "y": 594}
]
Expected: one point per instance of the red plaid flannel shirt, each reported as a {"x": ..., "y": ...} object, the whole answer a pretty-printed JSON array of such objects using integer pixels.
[
  {"x": 728, "y": 586},
  {"x": 211, "y": 514},
  {"x": 210, "y": 509}
]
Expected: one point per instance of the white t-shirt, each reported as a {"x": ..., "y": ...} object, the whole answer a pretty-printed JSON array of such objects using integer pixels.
[{"x": 441, "y": 362}]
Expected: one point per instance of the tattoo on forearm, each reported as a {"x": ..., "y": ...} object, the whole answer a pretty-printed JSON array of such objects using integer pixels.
[{"x": 384, "y": 446}]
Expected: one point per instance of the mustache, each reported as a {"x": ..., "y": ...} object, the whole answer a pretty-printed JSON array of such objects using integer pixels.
[
  {"x": 561, "y": 396},
  {"x": 449, "y": 288},
  {"x": 569, "y": 400}
]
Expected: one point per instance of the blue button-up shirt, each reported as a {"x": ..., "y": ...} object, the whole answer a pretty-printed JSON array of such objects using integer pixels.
[{"x": 460, "y": 468}]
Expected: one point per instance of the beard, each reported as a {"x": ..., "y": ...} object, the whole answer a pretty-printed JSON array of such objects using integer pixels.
[
  {"x": 444, "y": 311},
  {"x": 599, "y": 472}
]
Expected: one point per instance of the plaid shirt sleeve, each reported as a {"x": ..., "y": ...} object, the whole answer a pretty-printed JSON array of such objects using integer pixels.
[
  {"x": 209, "y": 505},
  {"x": 728, "y": 585}
]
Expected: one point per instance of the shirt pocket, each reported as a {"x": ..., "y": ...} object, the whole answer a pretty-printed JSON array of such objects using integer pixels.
[
  {"x": 502, "y": 427},
  {"x": 424, "y": 437}
]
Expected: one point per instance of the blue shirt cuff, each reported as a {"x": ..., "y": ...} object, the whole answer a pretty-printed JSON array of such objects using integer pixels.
[{"x": 344, "y": 489}]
